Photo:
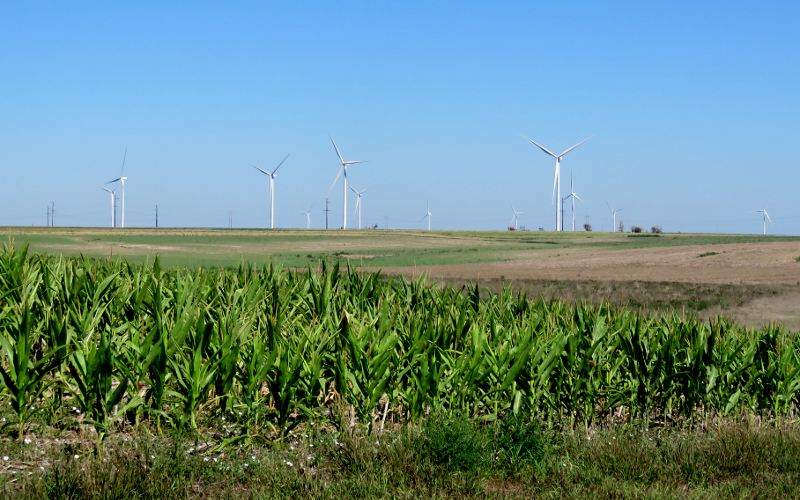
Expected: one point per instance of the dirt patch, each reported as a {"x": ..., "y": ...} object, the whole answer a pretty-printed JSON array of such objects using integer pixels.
[
  {"x": 753, "y": 284},
  {"x": 756, "y": 263}
]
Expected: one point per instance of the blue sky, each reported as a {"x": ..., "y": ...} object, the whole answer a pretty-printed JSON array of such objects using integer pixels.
[{"x": 693, "y": 111}]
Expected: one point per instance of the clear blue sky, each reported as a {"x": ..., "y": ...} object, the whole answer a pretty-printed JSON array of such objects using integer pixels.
[{"x": 693, "y": 106}]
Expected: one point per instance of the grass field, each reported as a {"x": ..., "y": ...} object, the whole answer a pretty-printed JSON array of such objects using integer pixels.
[{"x": 373, "y": 249}]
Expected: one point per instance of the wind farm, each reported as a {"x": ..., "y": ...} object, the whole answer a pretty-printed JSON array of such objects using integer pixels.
[{"x": 340, "y": 257}]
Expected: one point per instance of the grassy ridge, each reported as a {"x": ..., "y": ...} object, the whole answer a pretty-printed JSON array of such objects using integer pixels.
[
  {"x": 376, "y": 249},
  {"x": 443, "y": 458}
]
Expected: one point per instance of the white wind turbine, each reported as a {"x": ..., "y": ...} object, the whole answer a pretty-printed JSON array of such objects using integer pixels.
[
  {"x": 271, "y": 176},
  {"x": 515, "y": 218},
  {"x": 122, "y": 180},
  {"x": 614, "y": 217},
  {"x": 428, "y": 215},
  {"x": 765, "y": 217},
  {"x": 308, "y": 219},
  {"x": 358, "y": 203},
  {"x": 113, "y": 206},
  {"x": 343, "y": 173},
  {"x": 574, "y": 196},
  {"x": 557, "y": 176}
]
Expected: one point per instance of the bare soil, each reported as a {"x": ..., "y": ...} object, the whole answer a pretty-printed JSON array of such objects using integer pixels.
[{"x": 755, "y": 283}]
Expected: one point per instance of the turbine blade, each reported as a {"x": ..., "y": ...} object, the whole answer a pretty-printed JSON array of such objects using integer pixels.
[
  {"x": 547, "y": 151},
  {"x": 354, "y": 162},
  {"x": 575, "y": 146},
  {"x": 262, "y": 171},
  {"x": 338, "y": 174},
  {"x": 279, "y": 164},
  {"x": 338, "y": 153},
  {"x": 767, "y": 215},
  {"x": 124, "y": 157},
  {"x": 114, "y": 180},
  {"x": 576, "y": 196}
]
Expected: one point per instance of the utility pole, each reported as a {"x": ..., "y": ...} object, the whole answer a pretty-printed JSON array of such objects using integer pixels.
[
  {"x": 48, "y": 215},
  {"x": 53, "y": 214},
  {"x": 327, "y": 210},
  {"x": 156, "y": 215}
]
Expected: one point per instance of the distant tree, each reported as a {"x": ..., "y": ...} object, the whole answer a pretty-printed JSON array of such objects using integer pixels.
[
  {"x": 621, "y": 227},
  {"x": 656, "y": 229},
  {"x": 636, "y": 229},
  {"x": 587, "y": 228}
]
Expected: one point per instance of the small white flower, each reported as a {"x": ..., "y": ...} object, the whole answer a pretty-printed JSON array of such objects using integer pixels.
[
  {"x": 76, "y": 456},
  {"x": 5, "y": 458},
  {"x": 253, "y": 457},
  {"x": 27, "y": 440},
  {"x": 290, "y": 464},
  {"x": 311, "y": 445},
  {"x": 205, "y": 459}
]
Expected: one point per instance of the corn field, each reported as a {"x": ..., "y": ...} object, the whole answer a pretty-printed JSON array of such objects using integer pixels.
[{"x": 111, "y": 345}]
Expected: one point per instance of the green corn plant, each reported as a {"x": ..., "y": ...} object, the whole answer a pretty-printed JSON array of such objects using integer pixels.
[
  {"x": 364, "y": 360},
  {"x": 257, "y": 361},
  {"x": 101, "y": 383},
  {"x": 23, "y": 370},
  {"x": 194, "y": 374}
]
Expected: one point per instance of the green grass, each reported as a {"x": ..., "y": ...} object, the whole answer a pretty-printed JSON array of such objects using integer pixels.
[{"x": 373, "y": 249}]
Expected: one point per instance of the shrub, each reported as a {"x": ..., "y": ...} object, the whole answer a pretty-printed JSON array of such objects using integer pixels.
[
  {"x": 518, "y": 441},
  {"x": 453, "y": 442}
]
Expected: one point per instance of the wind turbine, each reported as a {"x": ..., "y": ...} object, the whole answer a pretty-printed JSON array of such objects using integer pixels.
[
  {"x": 308, "y": 219},
  {"x": 122, "y": 180},
  {"x": 428, "y": 215},
  {"x": 515, "y": 218},
  {"x": 113, "y": 206},
  {"x": 765, "y": 217},
  {"x": 271, "y": 176},
  {"x": 343, "y": 173},
  {"x": 574, "y": 196},
  {"x": 557, "y": 176},
  {"x": 614, "y": 217},
  {"x": 358, "y": 203}
]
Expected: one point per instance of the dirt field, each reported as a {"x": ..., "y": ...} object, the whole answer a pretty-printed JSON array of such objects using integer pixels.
[{"x": 753, "y": 283}]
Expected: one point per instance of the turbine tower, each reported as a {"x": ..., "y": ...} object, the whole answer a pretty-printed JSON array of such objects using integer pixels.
[
  {"x": 574, "y": 196},
  {"x": 614, "y": 217},
  {"x": 765, "y": 217},
  {"x": 343, "y": 173},
  {"x": 308, "y": 219},
  {"x": 271, "y": 176},
  {"x": 113, "y": 206},
  {"x": 358, "y": 203},
  {"x": 515, "y": 218},
  {"x": 557, "y": 176},
  {"x": 122, "y": 180},
  {"x": 428, "y": 215}
]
